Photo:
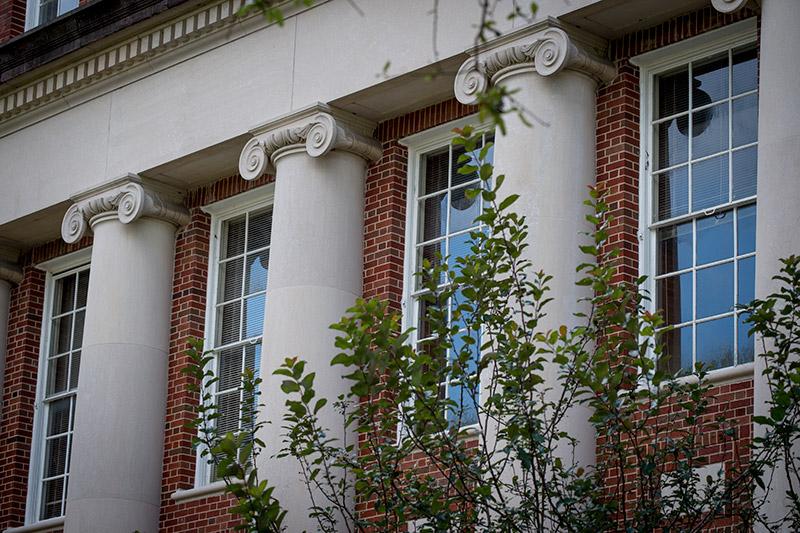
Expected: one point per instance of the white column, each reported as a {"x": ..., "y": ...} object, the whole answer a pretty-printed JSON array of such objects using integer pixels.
[
  {"x": 549, "y": 162},
  {"x": 117, "y": 451},
  {"x": 10, "y": 275},
  {"x": 320, "y": 157},
  {"x": 778, "y": 218}
]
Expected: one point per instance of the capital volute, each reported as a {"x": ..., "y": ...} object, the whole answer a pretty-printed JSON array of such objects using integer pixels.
[
  {"x": 10, "y": 272},
  {"x": 126, "y": 199},
  {"x": 316, "y": 130},
  {"x": 547, "y": 47},
  {"x": 728, "y": 6}
]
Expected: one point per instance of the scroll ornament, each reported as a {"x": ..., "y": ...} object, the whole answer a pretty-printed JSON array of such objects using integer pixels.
[
  {"x": 550, "y": 52},
  {"x": 321, "y": 134},
  {"x": 128, "y": 202}
]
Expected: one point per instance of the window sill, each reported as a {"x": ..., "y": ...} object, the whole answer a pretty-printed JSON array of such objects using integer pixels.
[
  {"x": 51, "y": 524},
  {"x": 723, "y": 376},
  {"x": 198, "y": 493}
]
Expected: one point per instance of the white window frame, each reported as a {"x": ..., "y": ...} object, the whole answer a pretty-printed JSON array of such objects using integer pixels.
[
  {"x": 32, "y": 13},
  {"x": 418, "y": 145},
  {"x": 54, "y": 269},
  {"x": 262, "y": 197},
  {"x": 652, "y": 64}
]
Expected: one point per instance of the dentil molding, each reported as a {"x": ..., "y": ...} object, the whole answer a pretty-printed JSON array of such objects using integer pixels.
[
  {"x": 548, "y": 47},
  {"x": 127, "y": 199},
  {"x": 9, "y": 272},
  {"x": 316, "y": 129},
  {"x": 728, "y": 6}
]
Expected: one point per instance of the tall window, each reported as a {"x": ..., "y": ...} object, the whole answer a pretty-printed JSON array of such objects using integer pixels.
[
  {"x": 43, "y": 11},
  {"x": 441, "y": 219},
  {"x": 702, "y": 157},
  {"x": 63, "y": 338},
  {"x": 239, "y": 284}
]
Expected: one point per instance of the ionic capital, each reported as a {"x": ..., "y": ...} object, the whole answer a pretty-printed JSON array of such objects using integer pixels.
[
  {"x": 547, "y": 47},
  {"x": 11, "y": 273},
  {"x": 317, "y": 130},
  {"x": 127, "y": 199},
  {"x": 728, "y": 6}
]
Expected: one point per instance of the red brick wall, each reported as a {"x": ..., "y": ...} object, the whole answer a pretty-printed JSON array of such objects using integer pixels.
[
  {"x": 12, "y": 18},
  {"x": 19, "y": 391}
]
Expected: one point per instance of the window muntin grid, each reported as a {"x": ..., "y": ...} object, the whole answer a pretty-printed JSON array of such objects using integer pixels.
[
  {"x": 704, "y": 159},
  {"x": 443, "y": 218},
  {"x": 240, "y": 271},
  {"x": 66, "y": 316}
]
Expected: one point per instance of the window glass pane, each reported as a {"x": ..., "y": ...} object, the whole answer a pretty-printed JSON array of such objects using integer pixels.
[
  {"x": 257, "y": 265},
  {"x": 61, "y": 335},
  {"x": 745, "y": 342},
  {"x": 456, "y": 178},
  {"x": 67, "y": 5},
  {"x": 745, "y": 164},
  {"x": 52, "y": 494},
  {"x": 745, "y": 70},
  {"x": 259, "y": 230},
  {"x": 710, "y": 183},
  {"x": 715, "y": 290},
  {"x": 228, "y": 320},
  {"x": 55, "y": 456},
  {"x": 77, "y": 335},
  {"x": 673, "y": 93},
  {"x": 233, "y": 232},
  {"x": 64, "y": 295},
  {"x": 674, "y": 298},
  {"x": 229, "y": 369},
  {"x": 230, "y": 274},
  {"x": 83, "y": 288},
  {"x": 433, "y": 253},
  {"x": 673, "y": 143},
  {"x": 48, "y": 10},
  {"x": 57, "y": 374},
  {"x": 674, "y": 248},
  {"x": 253, "y": 316},
  {"x": 715, "y": 343},
  {"x": 424, "y": 327},
  {"x": 710, "y": 80},
  {"x": 58, "y": 417},
  {"x": 433, "y": 217},
  {"x": 746, "y": 229},
  {"x": 745, "y": 120},
  {"x": 677, "y": 354},
  {"x": 466, "y": 351},
  {"x": 464, "y": 412},
  {"x": 715, "y": 237},
  {"x": 710, "y": 130},
  {"x": 460, "y": 246},
  {"x": 746, "y": 280},
  {"x": 463, "y": 210},
  {"x": 74, "y": 370},
  {"x": 435, "y": 168},
  {"x": 252, "y": 357},
  {"x": 228, "y": 410},
  {"x": 673, "y": 193}
]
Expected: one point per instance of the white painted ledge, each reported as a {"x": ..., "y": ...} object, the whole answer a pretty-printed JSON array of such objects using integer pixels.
[
  {"x": 723, "y": 376},
  {"x": 51, "y": 524},
  {"x": 197, "y": 493}
]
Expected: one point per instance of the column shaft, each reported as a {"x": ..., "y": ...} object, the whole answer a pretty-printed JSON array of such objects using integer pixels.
[
  {"x": 778, "y": 177},
  {"x": 315, "y": 275}
]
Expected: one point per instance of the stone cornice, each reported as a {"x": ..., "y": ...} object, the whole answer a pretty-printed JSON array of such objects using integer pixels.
[
  {"x": 548, "y": 47},
  {"x": 120, "y": 57},
  {"x": 728, "y": 6},
  {"x": 9, "y": 272},
  {"x": 316, "y": 129},
  {"x": 127, "y": 199}
]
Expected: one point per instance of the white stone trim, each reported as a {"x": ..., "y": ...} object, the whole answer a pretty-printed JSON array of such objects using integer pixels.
[
  {"x": 728, "y": 6},
  {"x": 199, "y": 492},
  {"x": 128, "y": 199},
  {"x": 317, "y": 129},
  {"x": 51, "y": 524},
  {"x": 67, "y": 261}
]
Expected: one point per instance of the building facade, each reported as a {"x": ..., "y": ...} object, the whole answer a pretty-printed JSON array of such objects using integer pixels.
[{"x": 159, "y": 158}]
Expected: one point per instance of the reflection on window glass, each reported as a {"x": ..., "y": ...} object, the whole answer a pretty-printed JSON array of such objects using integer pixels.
[
  {"x": 445, "y": 216},
  {"x": 705, "y": 129}
]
